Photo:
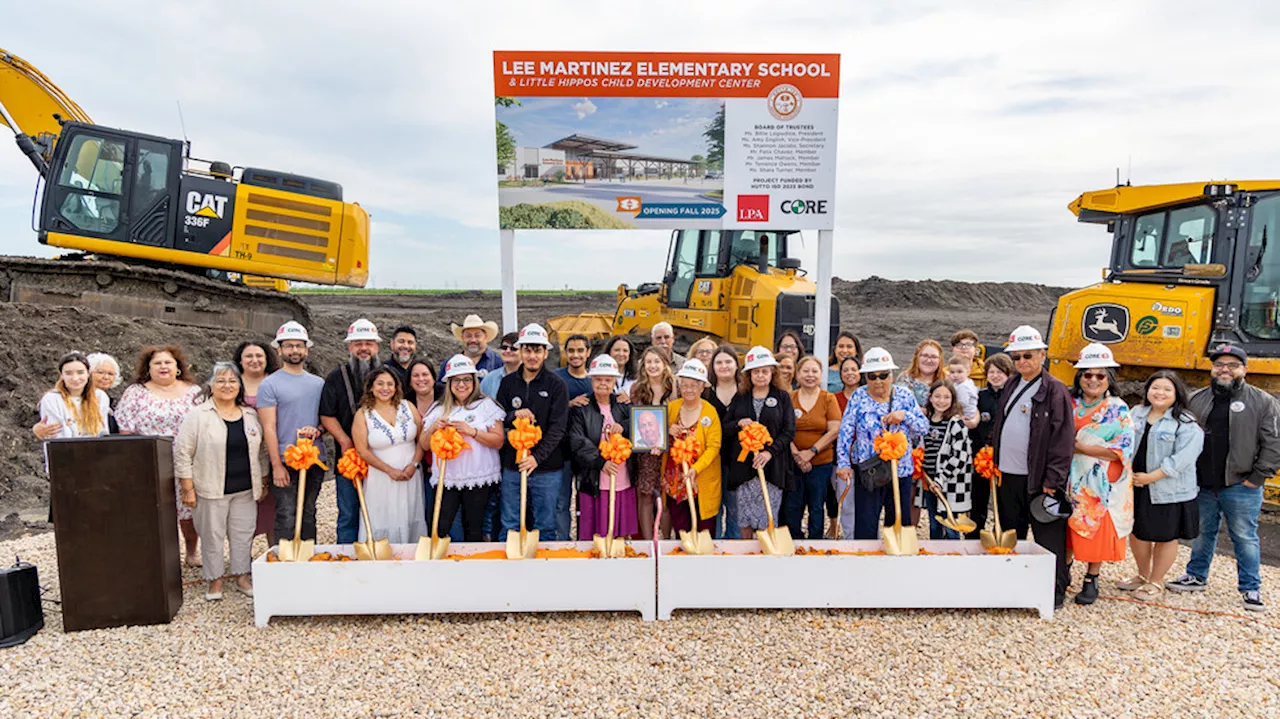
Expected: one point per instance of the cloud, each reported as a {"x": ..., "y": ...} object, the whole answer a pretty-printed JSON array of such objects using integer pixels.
[
  {"x": 584, "y": 108},
  {"x": 659, "y": 104}
]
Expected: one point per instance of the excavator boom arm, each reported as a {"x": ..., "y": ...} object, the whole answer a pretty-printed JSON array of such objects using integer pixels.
[{"x": 31, "y": 106}]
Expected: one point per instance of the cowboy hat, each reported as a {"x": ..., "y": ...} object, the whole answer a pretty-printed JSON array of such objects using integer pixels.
[{"x": 474, "y": 322}]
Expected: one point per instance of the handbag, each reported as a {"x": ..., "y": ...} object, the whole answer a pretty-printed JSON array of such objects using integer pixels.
[{"x": 874, "y": 473}]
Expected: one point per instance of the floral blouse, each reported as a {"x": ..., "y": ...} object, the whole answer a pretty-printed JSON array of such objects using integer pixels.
[
  {"x": 142, "y": 412},
  {"x": 861, "y": 425},
  {"x": 1100, "y": 486}
]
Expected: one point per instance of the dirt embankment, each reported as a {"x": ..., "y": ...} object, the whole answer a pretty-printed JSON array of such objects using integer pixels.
[{"x": 895, "y": 315}]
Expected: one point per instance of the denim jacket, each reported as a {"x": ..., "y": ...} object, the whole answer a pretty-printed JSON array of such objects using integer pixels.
[{"x": 1173, "y": 447}]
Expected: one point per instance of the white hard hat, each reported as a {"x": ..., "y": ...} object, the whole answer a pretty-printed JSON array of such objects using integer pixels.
[
  {"x": 291, "y": 331},
  {"x": 362, "y": 329},
  {"x": 533, "y": 334},
  {"x": 1096, "y": 355},
  {"x": 758, "y": 357},
  {"x": 1025, "y": 337},
  {"x": 458, "y": 364},
  {"x": 603, "y": 366},
  {"x": 877, "y": 359},
  {"x": 693, "y": 369}
]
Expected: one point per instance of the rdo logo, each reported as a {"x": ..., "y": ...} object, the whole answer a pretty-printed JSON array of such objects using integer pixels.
[{"x": 753, "y": 208}]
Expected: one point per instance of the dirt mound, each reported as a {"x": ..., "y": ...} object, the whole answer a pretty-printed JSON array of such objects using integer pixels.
[{"x": 877, "y": 292}]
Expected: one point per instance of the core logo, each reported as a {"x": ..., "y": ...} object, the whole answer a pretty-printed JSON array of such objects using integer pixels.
[
  {"x": 803, "y": 207},
  {"x": 206, "y": 204},
  {"x": 753, "y": 208}
]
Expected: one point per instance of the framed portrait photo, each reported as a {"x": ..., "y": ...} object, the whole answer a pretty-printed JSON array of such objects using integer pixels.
[{"x": 648, "y": 428}]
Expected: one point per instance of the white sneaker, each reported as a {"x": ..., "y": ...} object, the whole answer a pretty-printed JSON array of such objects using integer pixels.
[{"x": 1253, "y": 600}]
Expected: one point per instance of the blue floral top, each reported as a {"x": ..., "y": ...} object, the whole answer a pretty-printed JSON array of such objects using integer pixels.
[{"x": 861, "y": 425}]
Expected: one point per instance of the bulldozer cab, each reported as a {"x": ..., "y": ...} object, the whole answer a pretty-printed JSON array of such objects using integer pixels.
[{"x": 695, "y": 255}]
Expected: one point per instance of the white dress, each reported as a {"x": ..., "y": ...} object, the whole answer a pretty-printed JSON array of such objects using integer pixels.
[
  {"x": 396, "y": 509},
  {"x": 478, "y": 465}
]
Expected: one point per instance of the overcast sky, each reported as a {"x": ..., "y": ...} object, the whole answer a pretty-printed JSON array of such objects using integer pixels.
[{"x": 965, "y": 127}]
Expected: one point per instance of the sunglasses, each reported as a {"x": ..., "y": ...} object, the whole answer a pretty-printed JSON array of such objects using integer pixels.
[
  {"x": 509, "y": 348},
  {"x": 876, "y": 376},
  {"x": 1094, "y": 375},
  {"x": 1016, "y": 356}
]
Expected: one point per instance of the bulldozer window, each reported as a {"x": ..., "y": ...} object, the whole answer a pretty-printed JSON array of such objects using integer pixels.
[
  {"x": 1260, "y": 316},
  {"x": 685, "y": 265},
  {"x": 708, "y": 264},
  {"x": 93, "y": 171},
  {"x": 746, "y": 248},
  {"x": 152, "y": 179},
  {"x": 1174, "y": 239}
]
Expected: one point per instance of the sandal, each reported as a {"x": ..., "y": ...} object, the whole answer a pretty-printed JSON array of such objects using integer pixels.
[
  {"x": 194, "y": 560},
  {"x": 1128, "y": 585},
  {"x": 1148, "y": 592}
]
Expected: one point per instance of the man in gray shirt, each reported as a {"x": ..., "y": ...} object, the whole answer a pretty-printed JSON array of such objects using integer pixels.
[{"x": 289, "y": 407}]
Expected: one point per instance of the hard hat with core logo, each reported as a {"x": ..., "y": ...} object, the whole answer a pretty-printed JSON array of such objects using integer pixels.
[
  {"x": 877, "y": 359},
  {"x": 291, "y": 331},
  {"x": 758, "y": 357},
  {"x": 362, "y": 329},
  {"x": 533, "y": 334},
  {"x": 1025, "y": 337},
  {"x": 1096, "y": 355},
  {"x": 694, "y": 369},
  {"x": 458, "y": 364},
  {"x": 603, "y": 366}
]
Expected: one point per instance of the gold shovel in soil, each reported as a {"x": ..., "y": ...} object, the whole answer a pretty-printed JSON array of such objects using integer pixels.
[
  {"x": 1008, "y": 538},
  {"x": 369, "y": 549},
  {"x": 693, "y": 542},
  {"x": 297, "y": 549},
  {"x": 961, "y": 524},
  {"x": 773, "y": 541},
  {"x": 899, "y": 540},
  {"x": 609, "y": 545},
  {"x": 435, "y": 546},
  {"x": 525, "y": 544}
]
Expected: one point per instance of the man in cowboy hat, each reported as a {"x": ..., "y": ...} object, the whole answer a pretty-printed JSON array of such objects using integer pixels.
[{"x": 475, "y": 336}]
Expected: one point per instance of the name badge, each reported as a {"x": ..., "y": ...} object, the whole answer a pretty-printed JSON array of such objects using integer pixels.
[
  {"x": 1237, "y": 406},
  {"x": 771, "y": 402},
  {"x": 799, "y": 414},
  {"x": 542, "y": 393},
  {"x": 705, "y": 421},
  {"x": 516, "y": 402}
]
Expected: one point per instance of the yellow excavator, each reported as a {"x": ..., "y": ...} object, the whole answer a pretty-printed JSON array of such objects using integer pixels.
[
  {"x": 736, "y": 286},
  {"x": 1191, "y": 267},
  {"x": 161, "y": 234}
]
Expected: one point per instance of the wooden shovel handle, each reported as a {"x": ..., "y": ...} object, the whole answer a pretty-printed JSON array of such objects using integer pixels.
[
  {"x": 302, "y": 498},
  {"x": 435, "y": 513}
]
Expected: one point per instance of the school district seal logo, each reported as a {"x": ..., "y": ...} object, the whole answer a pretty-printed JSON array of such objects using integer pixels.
[{"x": 785, "y": 102}]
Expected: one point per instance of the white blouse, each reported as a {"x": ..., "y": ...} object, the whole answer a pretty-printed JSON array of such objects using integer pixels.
[
  {"x": 55, "y": 411},
  {"x": 478, "y": 465}
]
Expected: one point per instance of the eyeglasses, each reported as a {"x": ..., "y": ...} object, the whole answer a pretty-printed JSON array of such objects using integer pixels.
[
  {"x": 1227, "y": 365},
  {"x": 509, "y": 348},
  {"x": 1019, "y": 356},
  {"x": 1094, "y": 376},
  {"x": 226, "y": 382},
  {"x": 876, "y": 376},
  {"x": 967, "y": 344}
]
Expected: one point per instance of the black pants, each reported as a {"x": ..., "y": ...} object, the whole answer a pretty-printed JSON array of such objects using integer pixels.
[
  {"x": 1015, "y": 514},
  {"x": 868, "y": 505},
  {"x": 472, "y": 502},
  {"x": 287, "y": 505},
  {"x": 832, "y": 502},
  {"x": 981, "y": 503}
]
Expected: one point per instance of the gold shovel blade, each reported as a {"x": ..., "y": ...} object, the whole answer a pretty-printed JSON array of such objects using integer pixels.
[
  {"x": 427, "y": 550},
  {"x": 296, "y": 550},
  {"x": 908, "y": 542},
  {"x": 1009, "y": 539},
  {"x": 962, "y": 524},
  {"x": 522, "y": 550},
  {"x": 776, "y": 542},
  {"x": 987, "y": 538},
  {"x": 889, "y": 536},
  {"x": 618, "y": 548},
  {"x": 600, "y": 544}
]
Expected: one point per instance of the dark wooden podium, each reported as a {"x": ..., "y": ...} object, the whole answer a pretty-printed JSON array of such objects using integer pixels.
[{"x": 116, "y": 525}]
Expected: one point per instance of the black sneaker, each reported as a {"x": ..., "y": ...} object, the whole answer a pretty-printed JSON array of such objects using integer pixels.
[
  {"x": 1187, "y": 583},
  {"x": 1253, "y": 600},
  {"x": 1059, "y": 600},
  {"x": 1089, "y": 592}
]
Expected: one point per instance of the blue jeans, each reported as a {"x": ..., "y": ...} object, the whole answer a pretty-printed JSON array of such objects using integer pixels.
[
  {"x": 348, "y": 510},
  {"x": 936, "y": 530},
  {"x": 1240, "y": 505},
  {"x": 564, "y": 503},
  {"x": 728, "y": 515},
  {"x": 544, "y": 489},
  {"x": 455, "y": 529},
  {"x": 867, "y": 506},
  {"x": 811, "y": 495}
]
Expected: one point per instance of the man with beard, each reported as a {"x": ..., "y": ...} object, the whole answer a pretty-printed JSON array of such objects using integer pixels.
[
  {"x": 342, "y": 391},
  {"x": 404, "y": 347},
  {"x": 475, "y": 336},
  {"x": 288, "y": 407},
  {"x": 1241, "y": 450}
]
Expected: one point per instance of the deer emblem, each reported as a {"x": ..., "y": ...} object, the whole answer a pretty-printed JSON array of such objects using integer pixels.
[{"x": 1101, "y": 323}]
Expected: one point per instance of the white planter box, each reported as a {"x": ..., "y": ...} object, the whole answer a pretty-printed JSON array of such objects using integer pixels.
[
  {"x": 974, "y": 579},
  {"x": 450, "y": 586}
]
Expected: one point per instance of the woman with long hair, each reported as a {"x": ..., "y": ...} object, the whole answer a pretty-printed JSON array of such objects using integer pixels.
[
  {"x": 948, "y": 458},
  {"x": 759, "y": 399},
  {"x": 722, "y": 390},
  {"x": 75, "y": 405},
  {"x": 656, "y": 385},
  {"x": 847, "y": 345},
  {"x": 471, "y": 477},
  {"x": 162, "y": 393},
  {"x": 254, "y": 360},
  {"x": 385, "y": 433},
  {"x": 784, "y": 376},
  {"x": 624, "y": 354},
  {"x": 850, "y": 380},
  {"x": 925, "y": 369}
]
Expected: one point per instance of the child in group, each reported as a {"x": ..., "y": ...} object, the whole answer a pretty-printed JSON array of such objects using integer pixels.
[
  {"x": 948, "y": 459},
  {"x": 958, "y": 367}
]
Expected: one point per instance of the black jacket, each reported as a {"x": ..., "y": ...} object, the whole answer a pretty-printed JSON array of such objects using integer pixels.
[
  {"x": 1254, "y": 427},
  {"x": 586, "y": 425},
  {"x": 1052, "y": 443},
  {"x": 779, "y": 418},
  {"x": 548, "y": 399}
]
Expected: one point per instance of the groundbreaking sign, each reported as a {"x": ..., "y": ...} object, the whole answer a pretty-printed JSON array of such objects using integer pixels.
[{"x": 604, "y": 140}]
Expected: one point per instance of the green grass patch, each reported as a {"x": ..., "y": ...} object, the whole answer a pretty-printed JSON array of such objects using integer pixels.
[
  {"x": 563, "y": 215},
  {"x": 714, "y": 195}
]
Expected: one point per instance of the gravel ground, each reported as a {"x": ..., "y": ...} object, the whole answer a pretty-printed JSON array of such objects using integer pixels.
[{"x": 1117, "y": 658}]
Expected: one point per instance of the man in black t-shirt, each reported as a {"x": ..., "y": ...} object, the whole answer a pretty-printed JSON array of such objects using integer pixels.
[{"x": 343, "y": 389}]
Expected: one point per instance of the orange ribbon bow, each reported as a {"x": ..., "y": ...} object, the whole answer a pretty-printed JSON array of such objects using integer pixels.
[
  {"x": 753, "y": 438},
  {"x": 985, "y": 463},
  {"x": 351, "y": 466},
  {"x": 685, "y": 450},
  {"x": 524, "y": 436},
  {"x": 890, "y": 445},
  {"x": 303, "y": 455},
  {"x": 615, "y": 448},
  {"x": 917, "y": 463},
  {"x": 447, "y": 444}
]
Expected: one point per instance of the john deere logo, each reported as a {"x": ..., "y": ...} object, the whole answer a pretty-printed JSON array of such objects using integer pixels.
[
  {"x": 1147, "y": 325},
  {"x": 1106, "y": 323}
]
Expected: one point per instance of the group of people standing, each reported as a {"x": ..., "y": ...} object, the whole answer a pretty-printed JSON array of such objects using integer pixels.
[{"x": 1080, "y": 468}]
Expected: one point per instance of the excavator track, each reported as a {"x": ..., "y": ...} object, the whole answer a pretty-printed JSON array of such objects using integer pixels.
[{"x": 171, "y": 296}]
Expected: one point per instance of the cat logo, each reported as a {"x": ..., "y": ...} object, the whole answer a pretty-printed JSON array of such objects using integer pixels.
[{"x": 206, "y": 204}]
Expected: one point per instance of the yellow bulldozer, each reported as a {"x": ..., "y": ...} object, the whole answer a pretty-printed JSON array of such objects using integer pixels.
[
  {"x": 1191, "y": 267},
  {"x": 738, "y": 287},
  {"x": 162, "y": 234}
]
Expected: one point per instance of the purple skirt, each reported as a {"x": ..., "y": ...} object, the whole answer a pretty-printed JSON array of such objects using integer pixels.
[{"x": 593, "y": 514}]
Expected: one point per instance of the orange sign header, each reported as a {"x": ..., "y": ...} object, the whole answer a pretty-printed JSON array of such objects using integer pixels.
[{"x": 662, "y": 74}]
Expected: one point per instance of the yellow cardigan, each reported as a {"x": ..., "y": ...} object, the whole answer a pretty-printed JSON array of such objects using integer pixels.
[{"x": 708, "y": 464}]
